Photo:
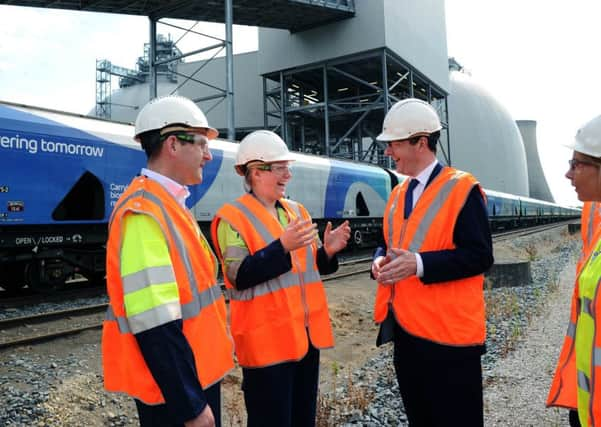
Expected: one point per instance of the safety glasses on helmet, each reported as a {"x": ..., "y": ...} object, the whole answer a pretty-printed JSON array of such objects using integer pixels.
[
  {"x": 280, "y": 170},
  {"x": 190, "y": 138}
]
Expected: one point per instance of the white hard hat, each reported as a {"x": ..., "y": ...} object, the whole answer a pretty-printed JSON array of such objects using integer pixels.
[
  {"x": 264, "y": 146},
  {"x": 408, "y": 118},
  {"x": 172, "y": 110},
  {"x": 588, "y": 138}
]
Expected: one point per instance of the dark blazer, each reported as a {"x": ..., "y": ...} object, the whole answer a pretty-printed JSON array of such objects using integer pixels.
[{"x": 473, "y": 255}]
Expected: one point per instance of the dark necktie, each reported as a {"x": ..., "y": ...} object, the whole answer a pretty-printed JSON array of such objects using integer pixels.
[{"x": 409, "y": 197}]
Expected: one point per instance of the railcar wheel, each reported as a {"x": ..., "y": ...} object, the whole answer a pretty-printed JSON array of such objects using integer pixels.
[
  {"x": 43, "y": 278},
  {"x": 13, "y": 276}
]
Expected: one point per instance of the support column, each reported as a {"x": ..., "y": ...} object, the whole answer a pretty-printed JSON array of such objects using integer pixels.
[
  {"x": 326, "y": 115},
  {"x": 152, "y": 72},
  {"x": 229, "y": 70}
]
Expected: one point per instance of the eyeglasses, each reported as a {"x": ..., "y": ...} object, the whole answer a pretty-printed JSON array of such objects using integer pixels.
[
  {"x": 190, "y": 138},
  {"x": 280, "y": 170},
  {"x": 389, "y": 144},
  {"x": 575, "y": 163}
]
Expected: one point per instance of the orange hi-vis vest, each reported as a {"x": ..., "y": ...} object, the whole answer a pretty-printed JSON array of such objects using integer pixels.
[
  {"x": 564, "y": 387},
  {"x": 269, "y": 322},
  {"x": 201, "y": 300},
  {"x": 449, "y": 313},
  {"x": 589, "y": 221}
]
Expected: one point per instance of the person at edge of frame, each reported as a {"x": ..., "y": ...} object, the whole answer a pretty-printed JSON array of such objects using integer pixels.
[
  {"x": 272, "y": 259},
  {"x": 429, "y": 269},
  {"x": 573, "y": 385},
  {"x": 165, "y": 341}
]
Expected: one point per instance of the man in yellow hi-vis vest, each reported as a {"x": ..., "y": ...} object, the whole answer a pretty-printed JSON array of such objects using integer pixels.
[{"x": 165, "y": 341}]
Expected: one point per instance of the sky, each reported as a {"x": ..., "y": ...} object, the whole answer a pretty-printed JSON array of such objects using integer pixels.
[{"x": 539, "y": 58}]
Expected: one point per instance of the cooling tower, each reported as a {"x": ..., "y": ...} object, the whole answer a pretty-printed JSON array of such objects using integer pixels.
[
  {"x": 484, "y": 137},
  {"x": 538, "y": 184}
]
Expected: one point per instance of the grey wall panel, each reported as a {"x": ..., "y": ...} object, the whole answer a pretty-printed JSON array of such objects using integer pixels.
[
  {"x": 539, "y": 189},
  {"x": 248, "y": 90},
  {"x": 280, "y": 49},
  {"x": 416, "y": 31},
  {"x": 484, "y": 138}
]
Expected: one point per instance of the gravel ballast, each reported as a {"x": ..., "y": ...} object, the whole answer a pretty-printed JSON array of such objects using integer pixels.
[{"x": 59, "y": 383}]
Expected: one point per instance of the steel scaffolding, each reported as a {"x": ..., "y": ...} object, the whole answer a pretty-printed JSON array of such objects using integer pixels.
[{"x": 336, "y": 108}]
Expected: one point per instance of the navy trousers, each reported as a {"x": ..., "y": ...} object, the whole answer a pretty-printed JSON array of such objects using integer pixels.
[
  {"x": 159, "y": 415},
  {"x": 283, "y": 395},
  {"x": 441, "y": 386},
  {"x": 573, "y": 419}
]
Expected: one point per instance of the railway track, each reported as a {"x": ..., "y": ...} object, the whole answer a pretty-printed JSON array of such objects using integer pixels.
[
  {"x": 512, "y": 234},
  {"x": 46, "y": 326},
  {"x": 43, "y": 327}
]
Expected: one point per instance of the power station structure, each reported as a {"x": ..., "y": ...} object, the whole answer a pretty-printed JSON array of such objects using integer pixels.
[
  {"x": 538, "y": 184},
  {"x": 325, "y": 89},
  {"x": 323, "y": 77}
]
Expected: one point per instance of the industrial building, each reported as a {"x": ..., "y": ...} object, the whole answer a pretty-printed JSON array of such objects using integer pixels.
[{"x": 323, "y": 77}]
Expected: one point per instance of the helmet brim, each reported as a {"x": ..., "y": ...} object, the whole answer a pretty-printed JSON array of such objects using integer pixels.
[
  {"x": 386, "y": 137},
  {"x": 580, "y": 148}
]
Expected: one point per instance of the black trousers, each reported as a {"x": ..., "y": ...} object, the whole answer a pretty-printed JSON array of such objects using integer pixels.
[
  {"x": 283, "y": 395},
  {"x": 159, "y": 415},
  {"x": 440, "y": 385},
  {"x": 573, "y": 418}
]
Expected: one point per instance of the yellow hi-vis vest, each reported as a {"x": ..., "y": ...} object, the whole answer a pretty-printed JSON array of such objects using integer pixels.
[
  {"x": 588, "y": 338},
  {"x": 269, "y": 322},
  {"x": 448, "y": 313},
  {"x": 190, "y": 277},
  {"x": 563, "y": 391}
]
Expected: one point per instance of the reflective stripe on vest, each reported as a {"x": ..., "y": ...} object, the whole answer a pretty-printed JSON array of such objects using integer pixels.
[
  {"x": 189, "y": 310},
  {"x": 147, "y": 277},
  {"x": 283, "y": 281},
  {"x": 571, "y": 332},
  {"x": 274, "y": 321},
  {"x": 200, "y": 301},
  {"x": 587, "y": 341},
  {"x": 583, "y": 382},
  {"x": 591, "y": 223},
  {"x": 426, "y": 223},
  {"x": 564, "y": 386},
  {"x": 451, "y": 313},
  {"x": 193, "y": 308}
]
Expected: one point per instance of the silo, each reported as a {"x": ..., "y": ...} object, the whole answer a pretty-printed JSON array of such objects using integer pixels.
[
  {"x": 484, "y": 137},
  {"x": 127, "y": 101},
  {"x": 539, "y": 189}
]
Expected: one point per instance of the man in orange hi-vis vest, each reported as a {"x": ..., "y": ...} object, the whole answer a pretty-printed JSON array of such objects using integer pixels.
[
  {"x": 430, "y": 299},
  {"x": 165, "y": 341}
]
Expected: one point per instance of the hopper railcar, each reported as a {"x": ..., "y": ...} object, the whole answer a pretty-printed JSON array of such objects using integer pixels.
[{"x": 62, "y": 174}]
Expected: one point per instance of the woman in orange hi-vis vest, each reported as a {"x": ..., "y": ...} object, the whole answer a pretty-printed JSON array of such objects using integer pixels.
[
  {"x": 272, "y": 260},
  {"x": 575, "y": 382},
  {"x": 164, "y": 340}
]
